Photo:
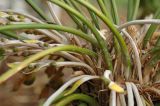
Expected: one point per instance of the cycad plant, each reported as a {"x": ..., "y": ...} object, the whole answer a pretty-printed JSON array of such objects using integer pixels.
[{"x": 113, "y": 63}]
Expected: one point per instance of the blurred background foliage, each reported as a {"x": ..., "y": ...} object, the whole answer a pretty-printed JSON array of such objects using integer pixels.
[{"x": 146, "y": 7}]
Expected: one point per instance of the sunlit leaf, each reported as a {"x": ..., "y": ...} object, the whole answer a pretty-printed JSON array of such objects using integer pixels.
[
  {"x": 31, "y": 41},
  {"x": 116, "y": 87},
  {"x": 12, "y": 65}
]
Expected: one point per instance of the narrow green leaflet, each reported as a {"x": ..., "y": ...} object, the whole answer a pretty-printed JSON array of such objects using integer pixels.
[
  {"x": 78, "y": 83},
  {"x": 37, "y": 9},
  {"x": 151, "y": 30},
  {"x": 2, "y": 53},
  {"x": 133, "y": 6},
  {"x": 81, "y": 97}
]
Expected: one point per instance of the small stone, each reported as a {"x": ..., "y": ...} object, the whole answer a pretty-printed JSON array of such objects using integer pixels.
[{"x": 3, "y": 21}]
